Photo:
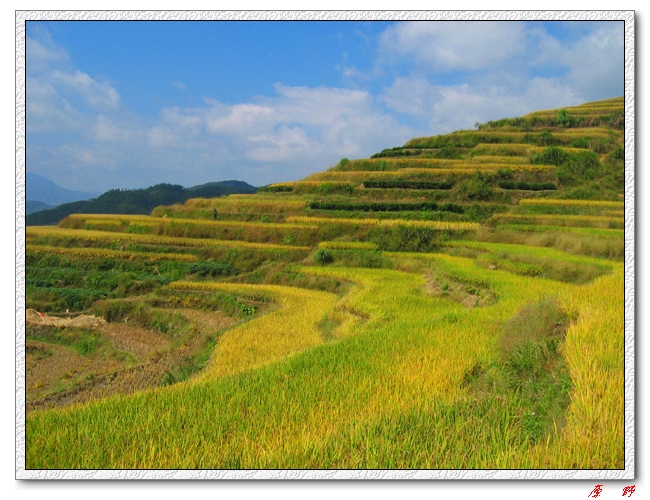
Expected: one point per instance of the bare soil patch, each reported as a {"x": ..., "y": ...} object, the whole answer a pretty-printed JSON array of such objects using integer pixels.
[{"x": 133, "y": 358}]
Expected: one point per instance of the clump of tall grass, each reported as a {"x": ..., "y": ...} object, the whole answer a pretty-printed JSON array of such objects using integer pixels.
[{"x": 547, "y": 262}]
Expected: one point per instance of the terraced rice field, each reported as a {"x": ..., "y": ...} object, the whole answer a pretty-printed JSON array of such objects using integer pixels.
[{"x": 449, "y": 315}]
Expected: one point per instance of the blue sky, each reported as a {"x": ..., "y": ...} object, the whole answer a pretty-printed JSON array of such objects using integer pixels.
[{"x": 127, "y": 104}]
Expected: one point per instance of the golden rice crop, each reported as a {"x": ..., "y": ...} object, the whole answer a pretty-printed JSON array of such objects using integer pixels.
[
  {"x": 348, "y": 245},
  {"x": 591, "y": 110},
  {"x": 436, "y": 225},
  {"x": 236, "y": 224},
  {"x": 490, "y": 167},
  {"x": 614, "y": 213},
  {"x": 591, "y": 132},
  {"x": 247, "y": 205},
  {"x": 360, "y": 176},
  {"x": 308, "y": 187},
  {"x": 499, "y": 148},
  {"x": 271, "y": 337},
  {"x": 495, "y": 160},
  {"x": 424, "y": 165},
  {"x": 106, "y": 253},
  {"x": 152, "y": 239},
  {"x": 395, "y": 163},
  {"x": 112, "y": 217},
  {"x": 572, "y": 203},
  {"x": 426, "y": 173},
  {"x": 578, "y": 111},
  {"x": 156, "y": 221},
  {"x": 540, "y": 149}
]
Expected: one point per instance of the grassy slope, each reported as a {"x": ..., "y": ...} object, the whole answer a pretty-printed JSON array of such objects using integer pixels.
[{"x": 389, "y": 375}]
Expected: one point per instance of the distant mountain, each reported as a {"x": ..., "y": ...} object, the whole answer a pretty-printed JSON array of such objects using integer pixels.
[
  {"x": 138, "y": 201},
  {"x": 32, "y": 206},
  {"x": 38, "y": 188}
]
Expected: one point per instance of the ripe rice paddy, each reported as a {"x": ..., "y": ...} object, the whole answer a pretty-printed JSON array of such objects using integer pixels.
[
  {"x": 345, "y": 342},
  {"x": 299, "y": 412}
]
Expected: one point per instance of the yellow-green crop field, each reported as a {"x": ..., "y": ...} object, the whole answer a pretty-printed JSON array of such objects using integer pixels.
[
  {"x": 363, "y": 400},
  {"x": 601, "y": 221},
  {"x": 460, "y": 314}
]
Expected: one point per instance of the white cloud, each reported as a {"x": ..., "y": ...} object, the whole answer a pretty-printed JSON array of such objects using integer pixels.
[
  {"x": 47, "y": 110},
  {"x": 454, "y": 45},
  {"x": 96, "y": 94},
  {"x": 447, "y": 108},
  {"x": 43, "y": 53},
  {"x": 160, "y": 137},
  {"x": 299, "y": 124},
  {"x": 238, "y": 119},
  {"x": 115, "y": 129},
  {"x": 60, "y": 99},
  {"x": 280, "y": 145},
  {"x": 596, "y": 62},
  {"x": 191, "y": 120}
]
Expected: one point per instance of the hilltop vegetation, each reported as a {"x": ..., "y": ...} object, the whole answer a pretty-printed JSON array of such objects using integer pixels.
[
  {"x": 452, "y": 303},
  {"x": 137, "y": 201}
]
